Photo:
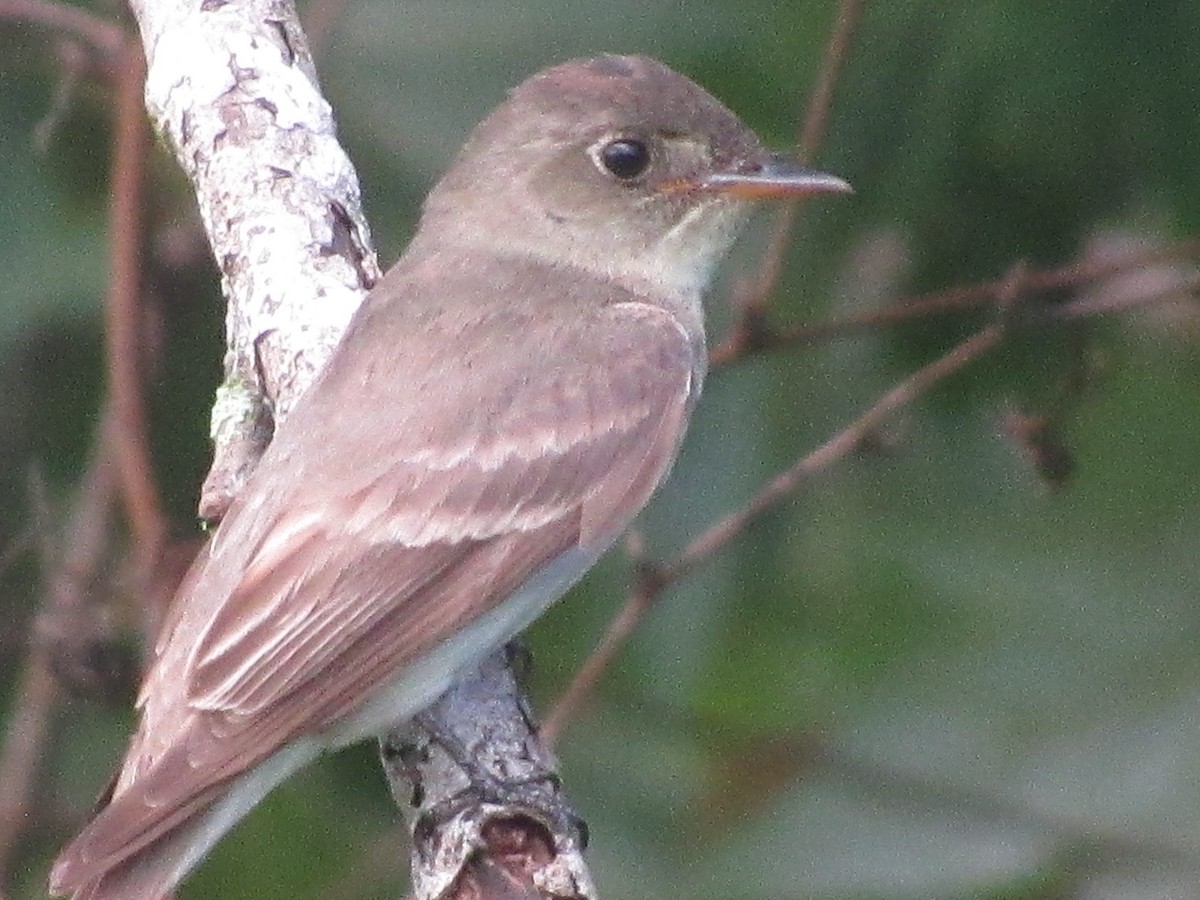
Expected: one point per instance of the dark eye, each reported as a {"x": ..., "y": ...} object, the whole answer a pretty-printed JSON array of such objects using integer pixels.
[{"x": 626, "y": 158}]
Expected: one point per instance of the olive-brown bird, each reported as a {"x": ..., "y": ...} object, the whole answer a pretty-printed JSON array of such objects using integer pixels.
[{"x": 502, "y": 405}]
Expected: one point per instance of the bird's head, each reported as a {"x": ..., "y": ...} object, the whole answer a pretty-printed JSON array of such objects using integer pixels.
[{"x": 616, "y": 165}]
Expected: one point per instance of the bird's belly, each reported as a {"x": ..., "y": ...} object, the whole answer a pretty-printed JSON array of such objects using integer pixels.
[{"x": 430, "y": 676}]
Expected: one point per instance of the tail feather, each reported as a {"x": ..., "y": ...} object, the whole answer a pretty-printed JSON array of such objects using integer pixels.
[
  {"x": 150, "y": 874},
  {"x": 104, "y": 864}
]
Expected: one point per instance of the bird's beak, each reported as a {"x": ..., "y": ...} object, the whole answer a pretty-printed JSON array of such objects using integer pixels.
[{"x": 775, "y": 178}]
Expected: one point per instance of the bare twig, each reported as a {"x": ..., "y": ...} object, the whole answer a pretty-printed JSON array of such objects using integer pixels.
[
  {"x": 125, "y": 315},
  {"x": 820, "y": 105},
  {"x": 1002, "y": 294},
  {"x": 102, "y": 35},
  {"x": 25, "y": 732},
  {"x": 1091, "y": 307},
  {"x": 68, "y": 573},
  {"x": 655, "y": 580},
  {"x": 641, "y": 599},
  {"x": 812, "y": 136},
  {"x": 904, "y": 789},
  {"x": 86, "y": 44},
  {"x": 969, "y": 297},
  {"x": 751, "y": 295},
  {"x": 23, "y": 750}
]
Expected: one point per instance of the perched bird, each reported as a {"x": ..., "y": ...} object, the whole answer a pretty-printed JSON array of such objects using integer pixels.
[{"x": 502, "y": 405}]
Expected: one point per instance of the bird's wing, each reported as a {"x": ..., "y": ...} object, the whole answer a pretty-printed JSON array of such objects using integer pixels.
[{"x": 354, "y": 578}]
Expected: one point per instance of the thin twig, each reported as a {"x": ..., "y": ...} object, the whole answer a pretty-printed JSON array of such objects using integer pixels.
[
  {"x": 836, "y": 447},
  {"x": 904, "y": 789},
  {"x": 125, "y": 315},
  {"x": 23, "y": 750},
  {"x": 812, "y": 137},
  {"x": 973, "y": 296},
  {"x": 639, "y": 602},
  {"x": 655, "y": 581},
  {"x": 1003, "y": 294},
  {"x": 26, "y": 728},
  {"x": 1091, "y": 307},
  {"x": 73, "y": 63},
  {"x": 67, "y": 572},
  {"x": 99, "y": 33},
  {"x": 751, "y": 295},
  {"x": 816, "y": 119}
]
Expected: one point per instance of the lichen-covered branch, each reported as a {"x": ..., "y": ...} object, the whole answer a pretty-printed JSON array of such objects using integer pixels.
[{"x": 233, "y": 88}]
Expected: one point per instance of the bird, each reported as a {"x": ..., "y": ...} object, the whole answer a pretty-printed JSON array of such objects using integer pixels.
[{"x": 502, "y": 405}]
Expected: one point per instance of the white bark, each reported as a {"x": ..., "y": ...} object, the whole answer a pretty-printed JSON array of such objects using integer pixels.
[{"x": 233, "y": 89}]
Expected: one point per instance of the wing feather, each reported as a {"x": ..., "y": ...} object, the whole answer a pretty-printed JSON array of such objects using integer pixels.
[{"x": 342, "y": 565}]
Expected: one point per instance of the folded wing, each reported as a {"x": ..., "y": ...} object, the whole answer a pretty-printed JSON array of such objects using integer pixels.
[{"x": 357, "y": 548}]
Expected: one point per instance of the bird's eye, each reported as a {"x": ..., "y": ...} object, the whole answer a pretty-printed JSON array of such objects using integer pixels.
[{"x": 626, "y": 158}]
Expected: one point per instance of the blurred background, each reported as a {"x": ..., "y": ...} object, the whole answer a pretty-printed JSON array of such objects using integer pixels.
[{"x": 961, "y": 662}]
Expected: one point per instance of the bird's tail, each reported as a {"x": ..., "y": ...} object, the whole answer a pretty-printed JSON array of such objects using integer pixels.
[
  {"x": 116, "y": 858},
  {"x": 150, "y": 874}
]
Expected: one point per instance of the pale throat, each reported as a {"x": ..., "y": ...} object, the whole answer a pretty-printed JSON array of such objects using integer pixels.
[
  {"x": 686, "y": 257},
  {"x": 672, "y": 268},
  {"x": 678, "y": 269}
]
